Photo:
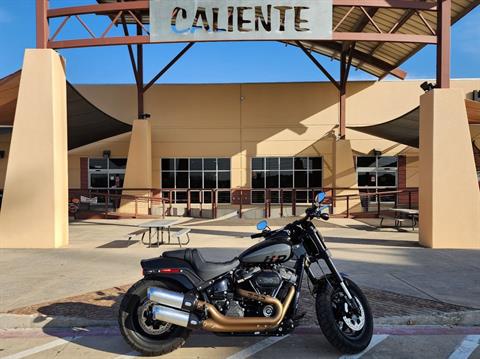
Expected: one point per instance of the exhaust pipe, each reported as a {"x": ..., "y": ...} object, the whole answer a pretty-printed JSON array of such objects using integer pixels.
[
  {"x": 174, "y": 316},
  {"x": 187, "y": 301}
]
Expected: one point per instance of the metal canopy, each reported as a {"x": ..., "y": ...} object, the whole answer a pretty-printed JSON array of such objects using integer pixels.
[
  {"x": 86, "y": 122},
  {"x": 379, "y": 18}
]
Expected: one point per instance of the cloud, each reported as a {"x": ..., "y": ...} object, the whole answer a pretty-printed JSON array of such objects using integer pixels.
[{"x": 5, "y": 16}]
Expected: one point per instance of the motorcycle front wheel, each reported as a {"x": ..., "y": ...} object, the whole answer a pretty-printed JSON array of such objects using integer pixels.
[
  {"x": 143, "y": 333},
  {"x": 347, "y": 331}
]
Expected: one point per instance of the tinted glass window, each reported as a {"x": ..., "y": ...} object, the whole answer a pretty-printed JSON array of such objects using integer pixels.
[
  {"x": 196, "y": 164},
  {"x": 224, "y": 164},
  {"x": 300, "y": 179},
  {"x": 366, "y": 162},
  {"x": 224, "y": 180},
  {"x": 168, "y": 179},
  {"x": 181, "y": 180},
  {"x": 367, "y": 179},
  {"x": 195, "y": 179},
  {"x": 210, "y": 164},
  {"x": 97, "y": 163},
  {"x": 99, "y": 180},
  {"x": 168, "y": 164},
  {"x": 386, "y": 179},
  {"x": 300, "y": 163},
  {"x": 258, "y": 179},
  {"x": 286, "y": 179},
  {"x": 386, "y": 161},
  {"x": 286, "y": 163},
  {"x": 271, "y": 179},
  {"x": 118, "y": 163},
  {"x": 210, "y": 180},
  {"x": 271, "y": 163},
  {"x": 181, "y": 164},
  {"x": 315, "y": 178},
  {"x": 315, "y": 163},
  {"x": 258, "y": 164}
]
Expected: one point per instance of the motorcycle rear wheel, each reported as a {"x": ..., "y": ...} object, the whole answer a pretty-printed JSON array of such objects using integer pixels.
[
  {"x": 347, "y": 332},
  {"x": 145, "y": 335}
]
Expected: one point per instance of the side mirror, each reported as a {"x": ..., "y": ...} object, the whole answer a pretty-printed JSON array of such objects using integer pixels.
[
  {"x": 319, "y": 198},
  {"x": 325, "y": 216},
  {"x": 262, "y": 225}
]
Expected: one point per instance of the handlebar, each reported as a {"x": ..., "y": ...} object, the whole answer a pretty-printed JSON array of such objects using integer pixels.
[{"x": 257, "y": 235}]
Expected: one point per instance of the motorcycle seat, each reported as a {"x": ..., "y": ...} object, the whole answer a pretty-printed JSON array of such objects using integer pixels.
[{"x": 204, "y": 269}]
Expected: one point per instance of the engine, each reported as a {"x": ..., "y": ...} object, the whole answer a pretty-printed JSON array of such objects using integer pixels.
[{"x": 274, "y": 281}]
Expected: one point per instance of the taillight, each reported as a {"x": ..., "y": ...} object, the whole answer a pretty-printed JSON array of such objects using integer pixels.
[{"x": 170, "y": 270}]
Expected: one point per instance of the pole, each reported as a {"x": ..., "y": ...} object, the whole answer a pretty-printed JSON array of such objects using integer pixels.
[
  {"x": 444, "y": 8},
  {"x": 140, "y": 88},
  {"x": 42, "y": 24},
  {"x": 342, "y": 93}
]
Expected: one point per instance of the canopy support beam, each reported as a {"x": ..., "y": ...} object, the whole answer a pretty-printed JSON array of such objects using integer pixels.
[{"x": 443, "y": 43}]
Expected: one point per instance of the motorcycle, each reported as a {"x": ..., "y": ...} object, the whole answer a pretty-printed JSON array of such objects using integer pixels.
[{"x": 256, "y": 293}]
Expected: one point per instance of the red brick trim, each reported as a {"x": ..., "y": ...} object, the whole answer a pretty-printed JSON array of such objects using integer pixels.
[{"x": 84, "y": 172}]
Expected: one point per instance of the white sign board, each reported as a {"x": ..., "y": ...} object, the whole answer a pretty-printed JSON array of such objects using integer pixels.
[{"x": 226, "y": 20}]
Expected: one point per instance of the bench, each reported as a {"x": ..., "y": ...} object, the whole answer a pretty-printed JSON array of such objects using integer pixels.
[
  {"x": 138, "y": 232},
  {"x": 180, "y": 233},
  {"x": 398, "y": 221}
]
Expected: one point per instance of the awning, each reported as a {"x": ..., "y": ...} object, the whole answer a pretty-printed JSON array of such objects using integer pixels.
[
  {"x": 86, "y": 122},
  {"x": 405, "y": 129}
]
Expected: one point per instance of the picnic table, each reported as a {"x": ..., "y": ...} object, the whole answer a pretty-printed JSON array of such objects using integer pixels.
[
  {"x": 159, "y": 226},
  {"x": 410, "y": 213}
]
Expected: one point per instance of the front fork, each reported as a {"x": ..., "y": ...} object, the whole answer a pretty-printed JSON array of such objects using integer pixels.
[{"x": 327, "y": 257}]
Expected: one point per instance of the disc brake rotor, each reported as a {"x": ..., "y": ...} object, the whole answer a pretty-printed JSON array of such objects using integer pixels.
[
  {"x": 353, "y": 321},
  {"x": 148, "y": 323}
]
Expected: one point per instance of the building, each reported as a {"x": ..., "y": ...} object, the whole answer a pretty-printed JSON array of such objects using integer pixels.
[{"x": 253, "y": 137}]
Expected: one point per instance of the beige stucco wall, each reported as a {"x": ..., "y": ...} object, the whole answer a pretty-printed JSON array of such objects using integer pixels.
[{"x": 247, "y": 120}]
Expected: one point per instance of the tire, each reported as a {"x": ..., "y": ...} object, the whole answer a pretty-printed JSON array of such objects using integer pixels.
[
  {"x": 132, "y": 331},
  {"x": 348, "y": 343}
]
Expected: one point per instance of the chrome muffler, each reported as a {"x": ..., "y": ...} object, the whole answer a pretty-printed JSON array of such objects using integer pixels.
[
  {"x": 175, "y": 316},
  {"x": 187, "y": 301}
]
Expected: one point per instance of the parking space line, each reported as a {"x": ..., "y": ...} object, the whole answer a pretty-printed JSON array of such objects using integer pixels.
[
  {"x": 255, "y": 348},
  {"x": 376, "y": 339},
  {"x": 466, "y": 347},
  {"x": 132, "y": 354},
  {"x": 41, "y": 348}
]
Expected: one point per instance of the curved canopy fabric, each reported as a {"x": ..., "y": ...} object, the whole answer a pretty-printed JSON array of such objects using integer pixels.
[
  {"x": 86, "y": 122},
  {"x": 405, "y": 129}
]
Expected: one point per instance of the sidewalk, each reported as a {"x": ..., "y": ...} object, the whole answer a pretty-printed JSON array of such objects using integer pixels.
[{"x": 97, "y": 258}]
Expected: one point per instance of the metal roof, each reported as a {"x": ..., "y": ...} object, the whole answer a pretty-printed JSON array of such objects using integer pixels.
[{"x": 376, "y": 58}]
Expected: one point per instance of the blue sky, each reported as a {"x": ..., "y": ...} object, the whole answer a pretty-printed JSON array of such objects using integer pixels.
[{"x": 211, "y": 62}]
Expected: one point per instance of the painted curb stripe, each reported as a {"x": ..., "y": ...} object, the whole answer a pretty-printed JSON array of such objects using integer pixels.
[
  {"x": 376, "y": 339},
  {"x": 466, "y": 347}
]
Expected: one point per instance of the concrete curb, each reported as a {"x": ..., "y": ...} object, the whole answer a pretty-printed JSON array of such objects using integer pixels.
[{"x": 19, "y": 321}]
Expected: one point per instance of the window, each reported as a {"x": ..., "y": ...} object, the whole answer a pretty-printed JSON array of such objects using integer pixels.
[
  {"x": 106, "y": 173},
  {"x": 201, "y": 174},
  {"x": 377, "y": 173},
  {"x": 301, "y": 173}
]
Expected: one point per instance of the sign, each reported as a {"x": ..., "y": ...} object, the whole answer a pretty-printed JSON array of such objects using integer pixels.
[{"x": 233, "y": 20}]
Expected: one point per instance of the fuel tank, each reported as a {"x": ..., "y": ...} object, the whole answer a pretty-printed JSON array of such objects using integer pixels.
[{"x": 276, "y": 250}]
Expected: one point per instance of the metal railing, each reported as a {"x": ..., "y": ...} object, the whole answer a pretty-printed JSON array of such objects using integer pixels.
[{"x": 282, "y": 198}]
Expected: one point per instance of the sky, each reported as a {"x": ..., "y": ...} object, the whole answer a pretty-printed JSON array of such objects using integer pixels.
[{"x": 232, "y": 62}]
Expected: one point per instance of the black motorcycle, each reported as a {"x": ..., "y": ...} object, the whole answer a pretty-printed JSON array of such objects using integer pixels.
[{"x": 255, "y": 294}]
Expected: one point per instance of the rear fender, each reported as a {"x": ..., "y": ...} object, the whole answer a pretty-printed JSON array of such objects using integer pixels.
[{"x": 171, "y": 270}]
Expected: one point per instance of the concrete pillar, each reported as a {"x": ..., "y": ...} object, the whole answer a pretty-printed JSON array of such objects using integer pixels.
[
  {"x": 34, "y": 211},
  {"x": 449, "y": 198},
  {"x": 344, "y": 175},
  {"x": 138, "y": 173}
]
